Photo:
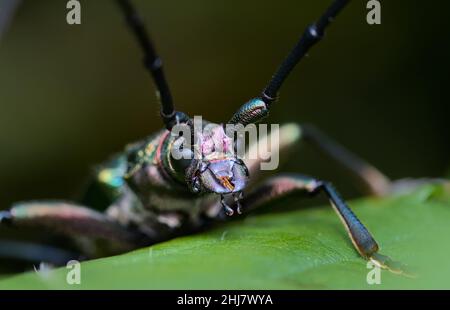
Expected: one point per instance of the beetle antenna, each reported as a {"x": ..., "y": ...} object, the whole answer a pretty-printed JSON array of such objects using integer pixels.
[
  {"x": 313, "y": 34},
  {"x": 153, "y": 64}
]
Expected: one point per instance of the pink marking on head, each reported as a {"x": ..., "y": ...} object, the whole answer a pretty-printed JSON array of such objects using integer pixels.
[{"x": 215, "y": 141}]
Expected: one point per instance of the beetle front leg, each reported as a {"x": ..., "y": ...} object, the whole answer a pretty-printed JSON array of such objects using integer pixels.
[
  {"x": 68, "y": 219},
  {"x": 279, "y": 186},
  {"x": 282, "y": 185}
]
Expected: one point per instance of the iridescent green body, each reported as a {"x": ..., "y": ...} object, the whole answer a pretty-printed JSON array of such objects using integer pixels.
[{"x": 142, "y": 190}]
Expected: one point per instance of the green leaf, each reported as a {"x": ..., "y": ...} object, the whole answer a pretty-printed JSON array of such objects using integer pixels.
[{"x": 303, "y": 249}]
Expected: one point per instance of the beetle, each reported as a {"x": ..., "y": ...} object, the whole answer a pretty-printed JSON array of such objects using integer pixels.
[{"x": 153, "y": 196}]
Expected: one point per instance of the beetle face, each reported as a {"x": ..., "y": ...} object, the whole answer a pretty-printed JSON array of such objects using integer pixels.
[
  {"x": 221, "y": 176},
  {"x": 216, "y": 168}
]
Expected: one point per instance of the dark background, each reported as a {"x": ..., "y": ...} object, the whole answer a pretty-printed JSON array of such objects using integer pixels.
[{"x": 72, "y": 95}]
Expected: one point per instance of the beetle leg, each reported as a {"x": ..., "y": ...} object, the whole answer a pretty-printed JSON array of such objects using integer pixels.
[
  {"x": 70, "y": 220},
  {"x": 280, "y": 186}
]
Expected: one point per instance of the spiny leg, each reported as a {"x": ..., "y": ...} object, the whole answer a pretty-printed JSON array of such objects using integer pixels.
[
  {"x": 153, "y": 64},
  {"x": 70, "y": 220}
]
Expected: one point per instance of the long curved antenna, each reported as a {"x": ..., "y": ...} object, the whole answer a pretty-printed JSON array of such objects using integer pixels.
[
  {"x": 153, "y": 64},
  {"x": 258, "y": 108},
  {"x": 313, "y": 34}
]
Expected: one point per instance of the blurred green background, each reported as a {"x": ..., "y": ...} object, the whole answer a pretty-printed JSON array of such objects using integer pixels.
[{"x": 72, "y": 95}]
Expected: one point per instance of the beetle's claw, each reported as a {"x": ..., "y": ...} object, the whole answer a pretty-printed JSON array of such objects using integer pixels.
[
  {"x": 239, "y": 208},
  {"x": 237, "y": 199},
  {"x": 228, "y": 210},
  {"x": 387, "y": 263}
]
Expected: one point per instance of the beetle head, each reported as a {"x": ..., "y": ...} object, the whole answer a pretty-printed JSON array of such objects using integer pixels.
[{"x": 210, "y": 165}]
